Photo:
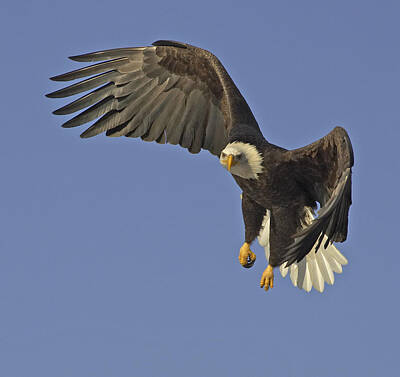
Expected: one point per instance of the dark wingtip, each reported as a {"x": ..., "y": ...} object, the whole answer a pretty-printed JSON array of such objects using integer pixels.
[
  {"x": 58, "y": 112},
  {"x": 58, "y": 78},
  {"x": 74, "y": 58},
  {"x": 55, "y": 94},
  {"x": 163, "y": 42},
  {"x": 81, "y": 58},
  {"x": 86, "y": 134},
  {"x": 71, "y": 123}
]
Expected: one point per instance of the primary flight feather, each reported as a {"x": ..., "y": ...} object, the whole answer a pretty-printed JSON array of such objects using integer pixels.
[{"x": 175, "y": 93}]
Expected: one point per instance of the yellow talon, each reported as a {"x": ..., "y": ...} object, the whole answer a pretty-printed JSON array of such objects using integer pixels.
[
  {"x": 267, "y": 278},
  {"x": 246, "y": 256}
]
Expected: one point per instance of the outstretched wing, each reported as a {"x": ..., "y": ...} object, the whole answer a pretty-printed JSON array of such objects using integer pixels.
[
  {"x": 323, "y": 169},
  {"x": 169, "y": 92}
]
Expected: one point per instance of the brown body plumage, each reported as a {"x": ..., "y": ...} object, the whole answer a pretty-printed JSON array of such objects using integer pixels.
[{"x": 292, "y": 181}]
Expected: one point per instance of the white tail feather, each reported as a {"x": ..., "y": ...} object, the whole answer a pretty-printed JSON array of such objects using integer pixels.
[
  {"x": 326, "y": 271},
  {"x": 315, "y": 269},
  {"x": 294, "y": 273},
  {"x": 263, "y": 237}
]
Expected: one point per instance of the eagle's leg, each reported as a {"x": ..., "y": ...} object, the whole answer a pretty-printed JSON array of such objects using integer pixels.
[
  {"x": 246, "y": 256},
  {"x": 253, "y": 215},
  {"x": 267, "y": 278}
]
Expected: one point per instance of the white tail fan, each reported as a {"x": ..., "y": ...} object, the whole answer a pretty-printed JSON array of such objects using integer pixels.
[{"x": 313, "y": 270}]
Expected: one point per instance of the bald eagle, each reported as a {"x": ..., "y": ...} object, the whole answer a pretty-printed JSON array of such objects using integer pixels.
[{"x": 175, "y": 93}]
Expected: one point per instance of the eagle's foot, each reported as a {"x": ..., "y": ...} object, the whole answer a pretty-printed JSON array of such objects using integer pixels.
[
  {"x": 267, "y": 278},
  {"x": 246, "y": 256}
]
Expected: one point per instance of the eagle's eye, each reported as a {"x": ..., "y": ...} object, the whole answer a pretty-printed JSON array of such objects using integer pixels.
[
  {"x": 223, "y": 155},
  {"x": 239, "y": 157}
]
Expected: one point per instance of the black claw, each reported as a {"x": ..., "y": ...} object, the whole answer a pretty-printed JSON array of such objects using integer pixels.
[{"x": 249, "y": 263}]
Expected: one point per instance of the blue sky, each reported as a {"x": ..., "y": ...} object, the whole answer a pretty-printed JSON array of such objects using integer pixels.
[{"x": 119, "y": 257}]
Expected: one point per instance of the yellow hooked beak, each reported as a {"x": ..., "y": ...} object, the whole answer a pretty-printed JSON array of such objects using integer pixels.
[{"x": 230, "y": 162}]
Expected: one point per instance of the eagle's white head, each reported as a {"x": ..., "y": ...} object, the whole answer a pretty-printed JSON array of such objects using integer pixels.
[{"x": 242, "y": 159}]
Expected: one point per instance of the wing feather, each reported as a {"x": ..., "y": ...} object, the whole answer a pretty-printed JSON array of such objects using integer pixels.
[
  {"x": 162, "y": 113},
  {"x": 108, "y": 54},
  {"x": 91, "y": 70},
  {"x": 100, "y": 108},
  {"x": 87, "y": 100},
  {"x": 84, "y": 85},
  {"x": 323, "y": 169},
  {"x": 141, "y": 122},
  {"x": 136, "y": 95}
]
